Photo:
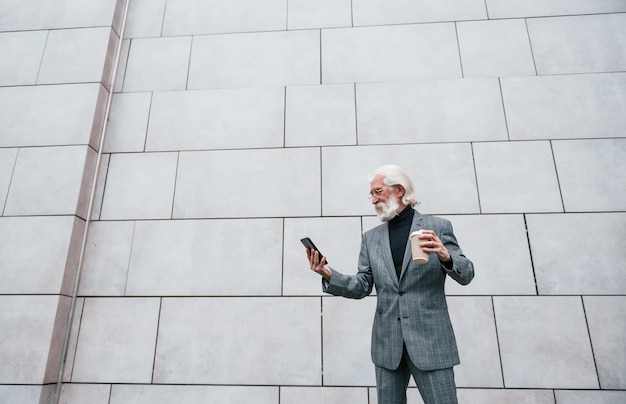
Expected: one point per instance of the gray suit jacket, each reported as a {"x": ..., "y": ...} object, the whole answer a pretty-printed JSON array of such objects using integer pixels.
[{"x": 412, "y": 310}]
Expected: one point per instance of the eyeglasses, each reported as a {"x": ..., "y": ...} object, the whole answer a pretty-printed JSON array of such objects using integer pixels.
[{"x": 377, "y": 192}]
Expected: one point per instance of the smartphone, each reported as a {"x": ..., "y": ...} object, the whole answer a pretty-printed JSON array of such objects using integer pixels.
[{"x": 309, "y": 244}]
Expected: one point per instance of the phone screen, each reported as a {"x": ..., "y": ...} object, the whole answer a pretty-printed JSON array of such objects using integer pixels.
[{"x": 308, "y": 243}]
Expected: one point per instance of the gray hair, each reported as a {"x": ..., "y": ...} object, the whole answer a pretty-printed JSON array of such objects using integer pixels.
[{"x": 394, "y": 175}]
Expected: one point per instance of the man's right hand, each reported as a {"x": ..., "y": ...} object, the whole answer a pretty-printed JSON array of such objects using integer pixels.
[{"x": 318, "y": 264}]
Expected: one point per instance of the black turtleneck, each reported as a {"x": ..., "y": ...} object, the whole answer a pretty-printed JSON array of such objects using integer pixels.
[{"x": 399, "y": 228}]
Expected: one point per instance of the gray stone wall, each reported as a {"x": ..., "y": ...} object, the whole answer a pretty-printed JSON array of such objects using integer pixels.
[{"x": 237, "y": 127}]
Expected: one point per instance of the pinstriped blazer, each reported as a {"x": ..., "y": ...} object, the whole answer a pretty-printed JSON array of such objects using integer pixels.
[{"x": 413, "y": 309}]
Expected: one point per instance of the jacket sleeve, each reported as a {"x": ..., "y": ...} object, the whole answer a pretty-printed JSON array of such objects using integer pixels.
[
  {"x": 355, "y": 286},
  {"x": 462, "y": 269}
]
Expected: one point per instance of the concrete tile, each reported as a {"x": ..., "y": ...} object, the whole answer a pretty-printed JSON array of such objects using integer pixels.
[
  {"x": 29, "y": 332},
  {"x": 202, "y": 253},
  {"x": 430, "y": 111},
  {"x": 579, "y": 44},
  {"x": 544, "y": 343},
  {"x": 498, "y": 396},
  {"x": 479, "y": 352},
  {"x": 100, "y": 185},
  {"x": 338, "y": 238},
  {"x": 117, "y": 341},
  {"x": 156, "y": 64},
  {"x": 185, "y": 17},
  {"x": 512, "y": 273},
  {"x": 58, "y": 171},
  {"x": 44, "y": 14},
  {"x": 605, "y": 318},
  {"x": 85, "y": 393},
  {"x": 380, "y": 12},
  {"x": 20, "y": 394},
  {"x": 578, "y": 269},
  {"x": 75, "y": 56},
  {"x": 198, "y": 339},
  {"x": 536, "y": 8},
  {"x": 217, "y": 119},
  {"x": 7, "y": 165},
  {"x": 320, "y": 115},
  {"x": 68, "y": 366},
  {"x": 106, "y": 261},
  {"x": 347, "y": 326},
  {"x": 151, "y": 394},
  {"x": 36, "y": 254},
  {"x": 589, "y": 396},
  {"x": 583, "y": 165},
  {"x": 145, "y": 18},
  {"x": 495, "y": 48},
  {"x": 387, "y": 53},
  {"x": 517, "y": 177},
  {"x": 256, "y": 59},
  {"x": 439, "y": 171},
  {"x": 276, "y": 177},
  {"x": 565, "y": 107},
  {"x": 314, "y": 395},
  {"x": 302, "y": 14},
  {"x": 48, "y": 115},
  {"x": 21, "y": 57},
  {"x": 140, "y": 186},
  {"x": 128, "y": 122}
]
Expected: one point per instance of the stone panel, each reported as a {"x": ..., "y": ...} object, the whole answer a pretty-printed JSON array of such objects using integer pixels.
[
  {"x": 140, "y": 186},
  {"x": 37, "y": 255},
  {"x": 544, "y": 343},
  {"x": 381, "y": 12},
  {"x": 161, "y": 394},
  {"x": 255, "y": 60},
  {"x": 605, "y": 317},
  {"x": 479, "y": 237},
  {"x": 479, "y": 351},
  {"x": 538, "y": 8},
  {"x": 21, "y": 57},
  {"x": 145, "y": 18},
  {"x": 499, "y": 396},
  {"x": 128, "y": 123},
  {"x": 48, "y": 115},
  {"x": 589, "y": 396},
  {"x": 347, "y": 325},
  {"x": 443, "y": 175},
  {"x": 117, "y": 341},
  {"x": 388, "y": 53},
  {"x": 20, "y": 394},
  {"x": 85, "y": 393},
  {"x": 565, "y": 106},
  {"x": 304, "y": 14},
  {"x": 107, "y": 256},
  {"x": 31, "y": 326},
  {"x": 338, "y": 238},
  {"x": 517, "y": 177},
  {"x": 184, "y": 257},
  {"x": 75, "y": 56},
  {"x": 495, "y": 48},
  {"x": 274, "y": 341},
  {"x": 579, "y": 44},
  {"x": 430, "y": 111},
  {"x": 592, "y": 174},
  {"x": 315, "y": 395},
  {"x": 184, "y": 17},
  {"x": 51, "y": 171},
  {"x": 248, "y": 183},
  {"x": 7, "y": 165},
  {"x": 217, "y": 119},
  {"x": 581, "y": 266},
  {"x": 157, "y": 64},
  {"x": 320, "y": 115}
]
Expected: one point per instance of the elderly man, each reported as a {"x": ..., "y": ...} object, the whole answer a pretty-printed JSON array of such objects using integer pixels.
[{"x": 412, "y": 333}]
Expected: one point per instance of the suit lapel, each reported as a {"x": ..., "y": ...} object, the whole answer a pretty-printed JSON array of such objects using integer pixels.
[
  {"x": 387, "y": 257},
  {"x": 416, "y": 224}
]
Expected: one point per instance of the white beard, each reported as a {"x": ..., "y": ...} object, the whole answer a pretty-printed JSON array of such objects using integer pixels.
[{"x": 387, "y": 211}]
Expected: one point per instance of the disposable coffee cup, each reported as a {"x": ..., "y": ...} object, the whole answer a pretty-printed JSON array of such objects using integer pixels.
[{"x": 419, "y": 256}]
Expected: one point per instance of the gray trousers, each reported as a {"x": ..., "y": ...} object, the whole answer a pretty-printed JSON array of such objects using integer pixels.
[{"x": 435, "y": 386}]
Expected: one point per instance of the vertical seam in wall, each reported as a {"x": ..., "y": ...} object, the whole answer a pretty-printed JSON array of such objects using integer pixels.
[
  {"x": 321, "y": 182},
  {"x": 556, "y": 172},
  {"x": 92, "y": 194},
  {"x": 487, "y": 10},
  {"x": 356, "y": 118},
  {"x": 351, "y": 13},
  {"x": 42, "y": 55},
  {"x": 530, "y": 254},
  {"x": 458, "y": 48},
  {"x": 480, "y": 209},
  {"x": 530, "y": 44},
  {"x": 321, "y": 73},
  {"x": 156, "y": 341},
  {"x": 145, "y": 137},
  {"x": 506, "y": 121},
  {"x": 285, "y": 117},
  {"x": 104, "y": 186},
  {"x": 6, "y": 197},
  {"x": 175, "y": 182},
  {"x": 189, "y": 62},
  {"x": 82, "y": 311},
  {"x": 287, "y": 15},
  {"x": 282, "y": 267},
  {"x": 130, "y": 256},
  {"x": 322, "y": 338},
  {"x": 495, "y": 324},
  {"x": 593, "y": 353},
  {"x": 163, "y": 19}
]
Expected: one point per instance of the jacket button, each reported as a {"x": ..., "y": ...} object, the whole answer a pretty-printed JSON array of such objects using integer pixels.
[{"x": 401, "y": 293}]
